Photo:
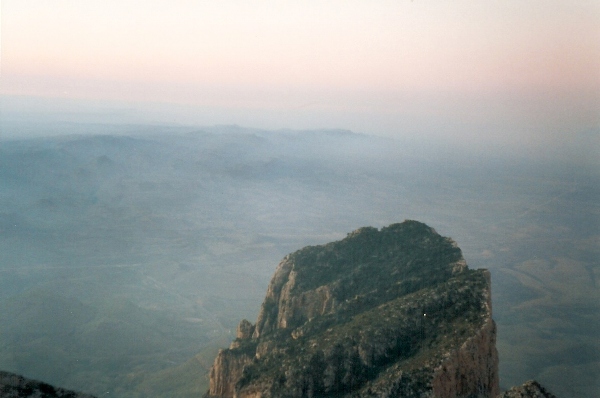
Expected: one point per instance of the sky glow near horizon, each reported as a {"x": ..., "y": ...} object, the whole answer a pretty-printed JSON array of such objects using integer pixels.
[{"x": 509, "y": 70}]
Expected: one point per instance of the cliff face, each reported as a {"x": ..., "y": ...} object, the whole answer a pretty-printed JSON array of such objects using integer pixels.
[
  {"x": 386, "y": 313},
  {"x": 474, "y": 366},
  {"x": 470, "y": 369},
  {"x": 226, "y": 371}
]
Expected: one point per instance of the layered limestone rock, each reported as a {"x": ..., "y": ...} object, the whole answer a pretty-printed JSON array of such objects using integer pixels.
[
  {"x": 386, "y": 313},
  {"x": 227, "y": 370},
  {"x": 15, "y": 386}
]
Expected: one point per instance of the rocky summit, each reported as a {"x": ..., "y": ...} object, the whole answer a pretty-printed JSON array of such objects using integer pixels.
[{"x": 394, "y": 312}]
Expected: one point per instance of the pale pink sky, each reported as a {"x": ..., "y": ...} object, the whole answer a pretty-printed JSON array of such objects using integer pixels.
[{"x": 381, "y": 67}]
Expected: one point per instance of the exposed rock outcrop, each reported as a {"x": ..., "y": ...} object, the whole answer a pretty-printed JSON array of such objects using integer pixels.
[
  {"x": 227, "y": 370},
  {"x": 15, "y": 386},
  {"x": 386, "y": 313},
  {"x": 530, "y": 389}
]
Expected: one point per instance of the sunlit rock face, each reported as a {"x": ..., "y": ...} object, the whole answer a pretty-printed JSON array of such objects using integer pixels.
[
  {"x": 15, "y": 386},
  {"x": 394, "y": 312}
]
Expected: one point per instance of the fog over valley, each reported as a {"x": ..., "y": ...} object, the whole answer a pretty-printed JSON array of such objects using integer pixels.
[{"x": 130, "y": 252}]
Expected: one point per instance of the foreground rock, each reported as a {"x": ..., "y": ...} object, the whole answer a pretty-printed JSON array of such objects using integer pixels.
[
  {"x": 386, "y": 313},
  {"x": 530, "y": 389},
  {"x": 15, "y": 386}
]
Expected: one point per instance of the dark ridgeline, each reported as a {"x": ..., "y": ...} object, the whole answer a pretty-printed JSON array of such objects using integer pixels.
[{"x": 15, "y": 386}]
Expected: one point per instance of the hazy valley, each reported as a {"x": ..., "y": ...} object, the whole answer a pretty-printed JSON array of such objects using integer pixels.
[{"x": 128, "y": 258}]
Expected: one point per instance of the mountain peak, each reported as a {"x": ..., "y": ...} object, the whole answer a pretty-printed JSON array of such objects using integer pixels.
[{"x": 389, "y": 312}]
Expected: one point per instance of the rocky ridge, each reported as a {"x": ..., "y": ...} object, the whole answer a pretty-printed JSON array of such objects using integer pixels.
[
  {"x": 15, "y": 386},
  {"x": 530, "y": 389},
  {"x": 381, "y": 313}
]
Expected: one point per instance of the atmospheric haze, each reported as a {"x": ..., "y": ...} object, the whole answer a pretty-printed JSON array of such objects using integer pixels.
[
  {"x": 514, "y": 74},
  {"x": 127, "y": 256},
  {"x": 133, "y": 238}
]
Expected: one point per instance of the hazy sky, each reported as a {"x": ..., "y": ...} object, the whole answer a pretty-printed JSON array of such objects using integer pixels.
[{"x": 506, "y": 70}]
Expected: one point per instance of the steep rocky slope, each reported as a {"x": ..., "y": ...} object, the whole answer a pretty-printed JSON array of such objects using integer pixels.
[
  {"x": 381, "y": 313},
  {"x": 15, "y": 386}
]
